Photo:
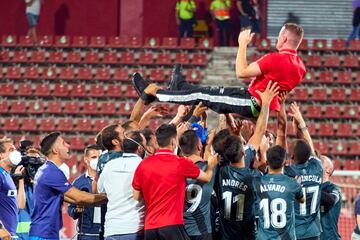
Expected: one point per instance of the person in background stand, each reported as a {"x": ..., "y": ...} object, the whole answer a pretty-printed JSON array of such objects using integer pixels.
[
  {"x": 356, "y": 234},
  {"x": 220, "y": 10},
  {"x": 246, "y": 13},
  {"x": 32, "y": 15},
  {"x": 185, "y": 17},
  {"x": 88, "y": 217},
  {"x": 355, "y": 33}
]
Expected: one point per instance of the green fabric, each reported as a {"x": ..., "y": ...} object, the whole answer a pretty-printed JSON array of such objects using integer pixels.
[
  {"x": 185, "y": 9},
  {"x": 218, "y": 4},
  {"x": 23, "y": 227},
  {"x": 254, "y": 111}
]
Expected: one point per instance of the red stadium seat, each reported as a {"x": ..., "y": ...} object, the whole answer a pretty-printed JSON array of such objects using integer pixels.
[
  {"x": 11, "y": 124},
  {"x": 73, "y": 57},
  {"x": 163, "y": 59},
  {"x": 102, "y": 73},
  {"x": 187, "y": 43},
  {"x": 49, "y": 73},
  {"x": 96, "y": 91},
  {"x": 7, "y": 89},
  {"x": 146, "y": 58},
  {"x": 169, "y": 43},
  {"x": 133, "y": 42},
  {"x": 355, "y": 95},
  {"x": 4, "y": 107},
  {"x": 20, "y": 57},
  {"x": 254, "y": 57},
  {"x": 114, "y": 91},
  {"x": 314, "y": 111},
  {"x": 62, "y": 41},
  {"x": 108, "y": 108},
  {"x": 157, "y": 75},
  {"x": 319, "y": 45},
  {"x": 199, "y": 59},
  {"x": 152, "y": 43},
  {"x": 28, "y": 124},
  {"x": 319, "y": 94},
  {"x": 338, "y": 94},
  {"x": 339, "y": 148},
  {"x": 24, "y": 90},
  {"x": 71, "y": 107},
  {"x": 304, "y": 45},
  {"x": 79, "y": 42},
  {"x": 83, "y": 125},
  {"x": 326, "y": 130},
  {"x": 77, "y": 143},
  {"x": 31, "y": 73},
  {"x": 18, "y": 107},
  {"x": 46, "y": 41},
  {"x": 121, "y": 74},
  {"x": 47, "y": 125},
  {"x": 55, "y": 57},
  {"x": 332, "y": 112},
  {"x": 38, "y": 57},
  {"x": 351, "y": 165},
  {"x": 205, "y": 43},
  {"x": 331, "y": 61},
  {"x": 90, "y": 108},
  {"x": 91, "y": 58},
  {"x": 338, "y": 44},
  {"x": 36, "y": 107},
  {"x": 193, "y": 76},
  {"x": 99, "y": 124},
  {"x": 110, "y": 58},
  {"x": 344, "y": 130},
  {"x": 13, "y": 73},
  {"x": 125, "y": 42},
  {"x": 53, "y": 107},
  {"x": 116, "y": 42},
  {"x": 182, "y": 58},
  {"x": 263, "y": 44},
  {"x": 25, "y": 41},
  {"x": 84, "y": 73},
  {"x": 344, "y": 77},
  {"x": 321, "y": 146},
  {"x": 42, "y": 90},
  {"x": 355, "y": 148},
  {"x": 354, "y": 45},
  {"x": 351, "y": 112},
  {"x": 60, "y": 90},
  {"x": 313, "y": 61},
  {"x": 8, "y": 40},
  {"x": 4, "y": 56},
  {"x": 127, "y": 58},
  {"x": 126, "y": 108},
  {"x": 326, "y": 77},
  {"x": 130, "y": 92},
  {"x": 300, "y": 94},
  {"x": 358, "y": 130},
  {"x": 78, "y": 90},
  {"x": 97, "y": 42},
  {"x": 351, "y": 61}
]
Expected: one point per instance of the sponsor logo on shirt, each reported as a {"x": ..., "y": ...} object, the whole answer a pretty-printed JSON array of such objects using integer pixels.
[{"x": 12, "y": 193}]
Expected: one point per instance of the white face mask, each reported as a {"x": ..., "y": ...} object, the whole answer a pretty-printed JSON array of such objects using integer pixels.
[
  {"x": 15, "y": 157},
  {"x": 93, "y": 163}
]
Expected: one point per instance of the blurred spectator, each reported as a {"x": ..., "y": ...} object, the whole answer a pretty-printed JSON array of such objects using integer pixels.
[
  {"x": 292, "y": 18},
  {"x": 246, "y": 13},
  {"x": 220, "y": 10},
  {"x": 185, "y": 17},
  {"x": 32, "y": 15},
  {"x": 356, "y": 233},
  {"x": 355, "y": 33}
]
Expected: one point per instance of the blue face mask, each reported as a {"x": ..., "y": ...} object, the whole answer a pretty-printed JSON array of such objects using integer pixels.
[{"x": 200, "y": 132}]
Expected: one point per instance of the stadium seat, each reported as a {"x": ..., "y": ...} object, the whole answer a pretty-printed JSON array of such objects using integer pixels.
[
  {"x": 193, "y": 76},
  {"x": 121, "y": 74},
  {"x": 152, "y": 43},
  {"x": 77, "y": 143},
  {"x": 47, "y": 125},
  {"x": 25, "y": 41},
  {"x": 78, "y": 90},
  {"x": 331, "y": 61},
  {"x": 84, "y": 73},
  {"x": 300, "y": 94},
  {"x": 36, "y": 107},
  {"x": 116, "y": 42},
  {"x": 96, "y": 91},
  {"x": 338, "y": 44},
  {"x": 97, "y": 42},
  {"x": 319, "y": 45},
  {"x": 326, "y": 77},
  {"x": 354, "y": 148},
  {"x": 102, "y": 73},
  {"x": 338, "y": 94},
  {"x": 332, "y": 112},
  {"x": 60, "y": 90},
  {"x": 53, "y": 107},
  {"x": 354, "y": 45},
  {"x": 157, "y": 75},
  {"x": 71, "y": 107},
  {"x": 169, "y": 43},
  {"x": 314, "y": 111},
  {"x": 7, "y": 89},
  {"x": 319, "y": 94},
  {"x": 114, "y": 91},
  {"x": 125, "y": 108},
  {"x": 4, "y": 107},
  {"x": 42, "y": 90},
  {"x": 187, "y": 43},
  {"x": 83, "y": 125},
  {"x": 336, "y": 164},
  {"x": 13, "y": 72},
  {"x": 309, "y": 76},
  {"x": 146, "y": 58},
  {"x": 49, "y": 73},
  {"x": 18, "y": 107},
  {"x": 339, "y": 148},
  {"x": 133, "y": 42},
  {"x": 326, "y": 129},
  {"x": 37, "y": 57},
  {"x": 55, "y": 57},
  {"x": 351, "y": 112},
  {"x": 79, "y": 42},
  {"x": 351, "y": 61},
  {"x": 304, "y": 45},
  {"x": 62, "y": 41},
  {"x": 110, "y": 58},
  {"x": 28, "y": 124},
  {"x": 358, "y": 130},
  {"x": 205, "y": 43},
  {"x": 31, "y": 73},
  {"x": 199, "y": 59},
  {"x": 355, "y": 95},
  {"x": 73, "y": 57},
  {"x": 4, "y": 56},
  {"x": 130, "y": 92},
  {"x": 99, "y": 124},
  {"x": 91, "y": 57},
  {"x": 263, "y": 44},
  {"x": 20, "y": 56},
  {"x": 344, "y": 77},
  {"x": 11, "y": 124},
  {"x": 8, "y": 40},
  {"x": 321, "y": 146},
  {"x": 45, "y": 41},
  {"x": 90, "y": 108},
  {"x": 107, "y": 108},
  {"x": 351, "y": 164},
  {"x": 182, "y": 58},
  {"x": 127, "y": 58},
  {"x": 313, "y": 61},
  {"x": 344, "y": 130},
  {"x": 357, "y": 78},
  {"x": 24, "y": 89},
  {"x": 163, "y": 59}
]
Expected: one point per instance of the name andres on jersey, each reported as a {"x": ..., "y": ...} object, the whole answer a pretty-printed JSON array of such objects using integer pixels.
[{"x": 233, "y": 183}]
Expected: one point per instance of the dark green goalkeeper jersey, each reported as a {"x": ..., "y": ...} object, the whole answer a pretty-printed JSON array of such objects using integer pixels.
[
  {"x": 276, "y": 195},
  {"x": 307, "y": 215}
]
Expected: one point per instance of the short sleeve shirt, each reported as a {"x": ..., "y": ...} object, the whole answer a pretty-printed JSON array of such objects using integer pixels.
[
  {"x": 161, "y": 179},
  {"x": 185, "y": 9},
  {"x": 49, "y": 188},
  {"x": 34, "y": 8},
  {"x": 284, "y": 67}
]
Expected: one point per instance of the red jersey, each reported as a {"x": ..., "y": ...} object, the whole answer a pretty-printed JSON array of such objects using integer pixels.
[
  {"x": 284, "y": 67},
  {"x": 162, "y": 179}
]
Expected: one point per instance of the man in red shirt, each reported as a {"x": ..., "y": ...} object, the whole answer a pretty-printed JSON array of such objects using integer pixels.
[
  {"x": 160, "y": 181},
  {"x": 283, "y": 67}
]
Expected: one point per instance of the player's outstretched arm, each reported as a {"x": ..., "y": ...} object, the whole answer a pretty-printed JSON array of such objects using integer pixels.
[
  {"x": 281, "y": 132},
  {"x": 75, "y": 196},
  {"x": 136, "y": 112},
  {"x": 153, "y": 112},
  {"x": 243, "y": 70},
  {"x": 206, "y": 176}
]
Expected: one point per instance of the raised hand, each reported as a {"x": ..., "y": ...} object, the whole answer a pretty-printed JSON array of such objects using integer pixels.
[
  {"x": 199, "y": 110},
  {"x": 245, "y": 37},
  {"x": 272, "y": 90}
]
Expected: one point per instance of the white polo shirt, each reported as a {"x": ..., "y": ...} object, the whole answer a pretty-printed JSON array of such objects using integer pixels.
[
  {"x": 124, "y": 214},
  {"x": 34, "y": 8}
]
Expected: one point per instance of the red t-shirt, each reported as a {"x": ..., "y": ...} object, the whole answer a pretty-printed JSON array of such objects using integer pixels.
[
  {"x": 284, "y": 67},
  {"x": 161, "y": 180}
]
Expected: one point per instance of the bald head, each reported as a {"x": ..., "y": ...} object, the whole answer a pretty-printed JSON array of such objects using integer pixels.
[
  {"x": 328, "y": 166},
  {"x": 290, "y": 36}
]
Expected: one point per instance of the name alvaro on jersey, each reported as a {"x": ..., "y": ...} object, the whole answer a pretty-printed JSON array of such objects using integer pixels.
[{"x": 272, "y": 187}]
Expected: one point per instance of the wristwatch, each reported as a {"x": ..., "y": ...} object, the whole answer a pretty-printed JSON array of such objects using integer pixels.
[{"x": 1, "y": 226}]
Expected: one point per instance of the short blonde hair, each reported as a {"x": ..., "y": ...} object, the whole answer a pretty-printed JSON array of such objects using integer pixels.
[{"x": 295, "y": 29}]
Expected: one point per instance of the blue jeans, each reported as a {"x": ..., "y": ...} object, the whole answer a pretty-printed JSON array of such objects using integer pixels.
[
  {"x": 40, "y": 238},
  {"x": 355, "y": 34},
  {"x": 132, "y": 236},
  {"x": 32, "y": 19}
]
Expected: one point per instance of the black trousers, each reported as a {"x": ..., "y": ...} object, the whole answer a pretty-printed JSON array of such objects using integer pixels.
[
  {"x": 173, "y": 232},
  {"x": 186, "y": 28},
  {"x": 219, "y": 99},
  {"x": 223, "y": 27}
]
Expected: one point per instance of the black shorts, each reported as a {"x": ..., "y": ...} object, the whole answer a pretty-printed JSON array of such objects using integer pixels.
[
  {"x": 172, "y": 232},
  {"x": 202, "y": 237}
]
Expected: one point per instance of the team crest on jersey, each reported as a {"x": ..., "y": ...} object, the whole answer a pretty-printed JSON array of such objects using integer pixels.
[
  {"x": 271, "y": 180},
  {"x": 12, "y": 193},
  {"x": 303, "y": 171}
]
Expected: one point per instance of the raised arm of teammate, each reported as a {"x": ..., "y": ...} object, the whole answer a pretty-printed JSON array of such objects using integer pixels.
[{"x": 281, "y": 131}]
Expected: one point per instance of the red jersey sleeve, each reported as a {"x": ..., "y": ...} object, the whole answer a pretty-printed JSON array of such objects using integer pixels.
[
  {"x": 189, "y": 169},
  {"x": 266, "y": 62},
  {"x": 136, "y": 183}
]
